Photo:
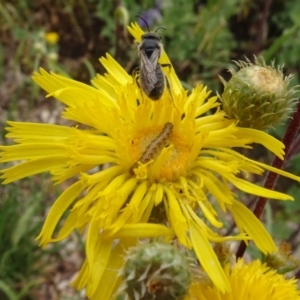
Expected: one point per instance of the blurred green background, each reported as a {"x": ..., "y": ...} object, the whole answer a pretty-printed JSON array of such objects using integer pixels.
[{"x": 201, "y": 38}]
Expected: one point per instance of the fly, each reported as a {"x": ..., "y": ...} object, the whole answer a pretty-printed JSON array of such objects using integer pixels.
[{"x": 149, "y": 75}]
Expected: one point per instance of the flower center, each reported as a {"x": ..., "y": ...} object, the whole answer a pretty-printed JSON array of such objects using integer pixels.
[{"x": 162, "y": 151}]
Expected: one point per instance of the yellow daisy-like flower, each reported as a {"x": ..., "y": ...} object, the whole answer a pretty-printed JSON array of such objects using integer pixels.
[
  {"x": 253, "y": 281},
  {"x": 52, "y": 37},
  {"x": 136, "y": 155}
]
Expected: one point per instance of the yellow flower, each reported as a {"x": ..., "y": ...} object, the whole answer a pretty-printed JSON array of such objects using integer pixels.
[
  {"x": 51, "y": 37},
  {"x": 253, "y": 281},
  {"x": 136, "y": 155}
]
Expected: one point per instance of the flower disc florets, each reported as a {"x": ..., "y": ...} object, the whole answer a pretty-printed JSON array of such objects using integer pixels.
[{"x": 252, "y": 281}]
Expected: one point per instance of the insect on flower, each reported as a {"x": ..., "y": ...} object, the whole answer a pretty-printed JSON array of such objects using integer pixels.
[
  {"x": 149, "y": 76},
  {"x": 155, "y": 146}
]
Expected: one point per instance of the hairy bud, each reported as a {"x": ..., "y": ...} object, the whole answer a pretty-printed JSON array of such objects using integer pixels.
[{"x": 257, "y": 95}]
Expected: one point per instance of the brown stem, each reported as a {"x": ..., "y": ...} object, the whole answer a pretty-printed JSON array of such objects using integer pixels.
[
  {"x": 262, "y": 26},
  {"x": 295, "y": 149},
  {"x": 271, "y": 179},
  {"x": 118, "y": 29}
]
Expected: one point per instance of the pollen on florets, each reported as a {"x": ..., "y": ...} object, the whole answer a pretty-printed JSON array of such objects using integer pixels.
[
  {"x": 257, "y": 95},
  {"x": 156, "y": 271}
]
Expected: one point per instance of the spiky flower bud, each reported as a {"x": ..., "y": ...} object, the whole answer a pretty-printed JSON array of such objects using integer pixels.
[
  {"x": 257, "y": 95},
  {"x": 282, "y": 260},
  {"x": 225, "y": 256},
  {"x": 156, "y": 271}
]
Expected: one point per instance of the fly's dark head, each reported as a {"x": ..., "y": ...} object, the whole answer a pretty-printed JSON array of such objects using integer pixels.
[{"x": 150, "y": 42}]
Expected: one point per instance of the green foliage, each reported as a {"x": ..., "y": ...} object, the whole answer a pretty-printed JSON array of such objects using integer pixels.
[
  {"x": 206, "y": 36},
  {"x": 286, "y": 47},
  {"x": 198, "y": 39},
  {"x": 23, "y": 264},
  {"x": 19, "y": 252}
]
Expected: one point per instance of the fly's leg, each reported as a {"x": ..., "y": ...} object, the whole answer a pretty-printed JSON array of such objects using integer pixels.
[
  {"x": 167, "y": 65},
  {"x": 136, "y": 72},
  {"x": 169, "y": 87},
  {"x": 167, "y": 80},
  {"x": 136, "y": 76}
]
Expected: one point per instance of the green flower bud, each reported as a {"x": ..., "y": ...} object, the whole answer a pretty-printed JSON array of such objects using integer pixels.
[
  {"x": 224, "y": 254},
  {"x": 156, "y": 271},
  {"x": 257, "y": 95},
  {"x": 282, "y": 260}
]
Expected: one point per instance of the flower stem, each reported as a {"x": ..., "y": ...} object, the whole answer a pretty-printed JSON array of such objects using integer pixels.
[
  {"x": 271, "y": 179},
  {"x": 262, "y": 26}
]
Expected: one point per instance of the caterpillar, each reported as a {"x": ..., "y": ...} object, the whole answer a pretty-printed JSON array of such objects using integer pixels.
[{"x": 155, "y": 146}]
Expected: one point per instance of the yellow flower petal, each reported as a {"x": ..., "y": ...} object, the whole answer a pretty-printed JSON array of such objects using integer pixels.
[
  {"x": 112, "y": 67},
  {"x": 247, "y": 221},
  {"x": 98, "y": 254},
  {"x": 208, "y": 258},
  {"x": 248, "y": 282},
  {"x": 108, "y": 284},
  {"x": 57, "y": 210},
  {"x": 143, "y": 230},
  {"x": 82, "y": 278},
  {"x": 23, "y": 132},
  {"x": 134, "y": 160},
  {"x": 32, "y": 167},
  {"x": 262, "y": 138}
]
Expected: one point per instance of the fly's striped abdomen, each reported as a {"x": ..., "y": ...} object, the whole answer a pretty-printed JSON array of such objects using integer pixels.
[{"x": 157, "y": 91}]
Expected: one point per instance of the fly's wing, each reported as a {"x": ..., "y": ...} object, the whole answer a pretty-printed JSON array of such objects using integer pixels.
[{"x": 148, "y": 76}]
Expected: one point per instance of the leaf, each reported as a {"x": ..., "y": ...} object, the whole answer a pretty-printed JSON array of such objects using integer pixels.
[
  {"x": 23, "y": 224},
  {"x": 7, "y": 290}
]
